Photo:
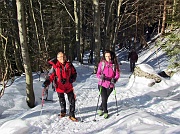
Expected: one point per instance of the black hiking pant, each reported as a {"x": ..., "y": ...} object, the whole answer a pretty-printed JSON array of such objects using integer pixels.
[
  {"x": 71, "y": 99},
  {"x": 105, "y": 92},
  {"x": 132, "y": 65}
]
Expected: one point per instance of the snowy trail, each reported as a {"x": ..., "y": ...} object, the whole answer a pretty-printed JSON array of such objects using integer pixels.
[
  {"x": 141, "y": 109},
  {"x": 87, "y": 93}
]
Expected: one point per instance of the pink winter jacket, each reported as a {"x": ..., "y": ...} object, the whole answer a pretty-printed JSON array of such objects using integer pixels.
[{"x": 109, "y": 73}]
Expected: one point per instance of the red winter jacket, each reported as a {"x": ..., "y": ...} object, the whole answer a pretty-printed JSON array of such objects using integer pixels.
[{"x": 60, "y": 72}]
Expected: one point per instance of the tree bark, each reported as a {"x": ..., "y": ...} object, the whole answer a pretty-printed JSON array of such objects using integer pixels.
[
  {"x": 164, "y": 19},
  {"x": 117, "y": 25},
  {"x": 77, "y": 29},
  {"x": 97, "y": 37},
  {"x": 16, "y": 42},
  {"x": 80, "y": 33},
  {"x": 173, "y": 13},
  {"x": 25, "y": 54},
  {"x": 107, "y": 24}
]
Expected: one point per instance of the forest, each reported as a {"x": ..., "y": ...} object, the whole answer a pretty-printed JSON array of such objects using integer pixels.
[{"x": 34, "y": 31}]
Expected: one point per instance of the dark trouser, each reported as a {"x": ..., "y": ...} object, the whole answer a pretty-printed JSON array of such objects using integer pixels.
[
  {"x": 132, "y": 65},
  {"x": 105, "y": 92},
  {"x": 71, "y": 100}
]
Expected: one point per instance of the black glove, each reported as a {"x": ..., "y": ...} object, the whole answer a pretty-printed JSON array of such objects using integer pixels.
[
  {"x": 46, "y": 83},
  {"x": 71, "y": 80},
  {"x": 113, "y": 80},
  {"x": 102, "y": 77}
]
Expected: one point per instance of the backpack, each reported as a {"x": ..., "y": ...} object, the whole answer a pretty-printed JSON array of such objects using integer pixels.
[{"x": 103, "y": 65}]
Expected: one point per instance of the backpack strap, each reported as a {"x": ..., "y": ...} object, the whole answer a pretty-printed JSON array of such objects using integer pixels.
[
  {"x": 53, "y": 70},
  {"x": 114, "y": 69},
  {"x": 102, "y": 66}
]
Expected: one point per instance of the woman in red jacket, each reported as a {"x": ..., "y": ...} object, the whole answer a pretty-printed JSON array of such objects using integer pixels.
[{"x": 63, "y": 74}]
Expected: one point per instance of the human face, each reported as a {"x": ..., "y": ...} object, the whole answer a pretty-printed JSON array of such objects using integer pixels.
[
  {"x": 108, "y": 57},
  {"x": 61, "y": 57}
]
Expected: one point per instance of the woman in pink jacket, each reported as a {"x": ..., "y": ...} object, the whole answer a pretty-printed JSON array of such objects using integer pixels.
[{"x": 108, "y": 73}]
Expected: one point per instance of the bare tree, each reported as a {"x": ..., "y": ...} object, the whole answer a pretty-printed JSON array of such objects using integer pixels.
[
  {"x": 7, "y": 71},
  {"x": 97, "y": 38},
  {"x": 16, "y": 42},
  {"x": 25, "y": 55},
  {"x": 117, "y": 25},
  {"x": 78, "y": 27}
]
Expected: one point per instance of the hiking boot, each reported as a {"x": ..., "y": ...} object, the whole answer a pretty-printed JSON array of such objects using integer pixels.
[
  {"x": 62, "y": 115},
  {"x": 73, "y": 118},
  {"x": 106, "y": 115},
  {"x": 100, "y": 112}
]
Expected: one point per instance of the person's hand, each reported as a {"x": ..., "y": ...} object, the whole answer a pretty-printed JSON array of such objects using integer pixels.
[
  {"x": 43, "y": 85},
  {"x": 72, "y": 78},
  {"x": 113, "y": 80},
  {"x": 102, "y": 77},
  {"x": 46, "y": 83}
]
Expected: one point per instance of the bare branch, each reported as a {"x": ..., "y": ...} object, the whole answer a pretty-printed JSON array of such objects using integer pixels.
[
  {"x": 4, "y": 75},
  {"x": 63, "y": 4}
]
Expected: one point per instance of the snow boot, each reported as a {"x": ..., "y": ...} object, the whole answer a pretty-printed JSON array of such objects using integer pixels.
[
  {"x": 100, "y": 112},
  {"x": 62, "y": 115},
  {"x": 73, "y": 118},
  {"x": 106, "y": 115}
]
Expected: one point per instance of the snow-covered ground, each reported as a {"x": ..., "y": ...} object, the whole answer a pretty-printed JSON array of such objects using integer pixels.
[{"x": 140, "y": 109}]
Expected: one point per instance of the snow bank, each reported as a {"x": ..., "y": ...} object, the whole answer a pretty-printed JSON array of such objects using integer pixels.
[{"x": 15, "y": 127}]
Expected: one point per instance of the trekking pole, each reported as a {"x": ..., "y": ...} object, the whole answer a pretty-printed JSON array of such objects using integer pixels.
[
  {"x": 79, "y": 112},
  {"x": 97, "y": 102},
  {"x": 116, "y": 99},
  {"x": 42, "y": 99}
]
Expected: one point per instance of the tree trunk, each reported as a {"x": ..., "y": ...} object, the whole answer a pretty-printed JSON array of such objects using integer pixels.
[
  {"x": 164, "y": 19},
  {"x": 37, "y": 40},
  {"x": 77, "y": 29},
  {"x": 25, "y": 55},
  {"x": 112, "y": 26},
  {"x": 80, "y": 32},
  {"x": 34, "y": 26},
  {"x": 97, "y": 37},
  {"x": 107, "y": 25},
  {"x": 42, "y": 24},
  {"x": 16, "y": 42},
  {"x": 117, "y": 25},
  {"x": 173, "y": 12}
]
